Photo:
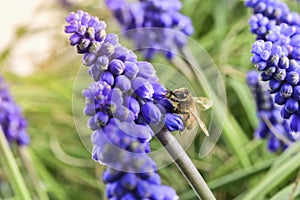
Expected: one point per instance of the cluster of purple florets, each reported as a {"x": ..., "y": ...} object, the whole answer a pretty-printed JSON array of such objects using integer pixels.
[
  {"x": 132, "y": 173},
  {"x": 147, "y": 185},
  {"x": 276, "y": 54},
  {"x": 271, "y": 124},
  {"x": 274, "y": 10},
  {"x": 123, "y": 102},
  {"x": 155, "y": 25},
  {"x": 124, "y": 88},
  {"x": 87, "y": 31},
  {"x": 12, "y": 122}
]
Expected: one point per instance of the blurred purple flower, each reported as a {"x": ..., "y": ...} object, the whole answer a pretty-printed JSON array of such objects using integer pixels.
[
  {"x": 155, "y": 25},
  {"x": 65, "y": 3},
  {"x": 12, "y": 122}
]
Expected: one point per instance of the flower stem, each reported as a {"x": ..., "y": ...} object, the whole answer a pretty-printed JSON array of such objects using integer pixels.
[
  {"x": 185, "y": 165},
  {"x": 28, "y": 163},
  {"x": 14, "y": 174}
]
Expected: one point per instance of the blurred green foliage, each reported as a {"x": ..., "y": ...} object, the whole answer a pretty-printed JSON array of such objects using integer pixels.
[{"x": 63, "y": 163}]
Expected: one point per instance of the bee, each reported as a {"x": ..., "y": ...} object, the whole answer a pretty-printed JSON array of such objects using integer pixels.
[{"x": 186, "y": 105}]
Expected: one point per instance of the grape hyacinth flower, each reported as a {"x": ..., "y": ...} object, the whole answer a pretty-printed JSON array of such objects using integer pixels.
[
  {"x": 134, "y": 173},
  {"x": 282, "y": 75},
  {"x": 276, "y": 54},
  {"x": 12, "y": 122},
  {"x": 272, "y": 9},
  {"x": 125, "y": 100},
  {"x": 87, "y": 32},
  {"x": 154, "y": 25},
  {"x": 261, "y": 25},
  {"x": 271, "y": 124},
  {"x": 271, "y": 21},
  {"x": 124, "y": 88},
  {"x": 136, "y": 186}
]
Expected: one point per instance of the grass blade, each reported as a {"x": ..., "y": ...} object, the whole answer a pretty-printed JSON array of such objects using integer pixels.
[{"x": 15, "y": 176}]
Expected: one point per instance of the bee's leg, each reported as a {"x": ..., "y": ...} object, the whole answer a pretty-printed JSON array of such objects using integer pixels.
[{"x": 186, "y": 117}]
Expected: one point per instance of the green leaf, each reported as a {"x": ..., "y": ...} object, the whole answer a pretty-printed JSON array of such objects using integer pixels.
[
  {"x": 273, "y": 179},
  {"x": 285, "y": 193},
  {"x": 239, "y": 175},
  {"x": 246, "y": 100},
  {"x": 14, "y": 175}
]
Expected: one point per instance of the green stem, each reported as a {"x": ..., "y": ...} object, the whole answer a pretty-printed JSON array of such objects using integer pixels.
[
  {"x": 185, "y": 165},
  {"x": 14, "y": 173},
  {"x": 28, "y": 163}
]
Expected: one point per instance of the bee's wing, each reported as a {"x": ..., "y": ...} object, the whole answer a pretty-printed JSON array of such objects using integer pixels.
[
  {"x": 203, "y": 102},
  {"x": 200, "y": 123}
]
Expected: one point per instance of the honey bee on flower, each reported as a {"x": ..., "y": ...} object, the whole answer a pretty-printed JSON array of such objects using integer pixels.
[{"x": 188, "y": 106}]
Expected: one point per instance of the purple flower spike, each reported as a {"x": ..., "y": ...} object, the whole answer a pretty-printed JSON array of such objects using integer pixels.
[
  {"x": 117, "y": 67},
  {"x": 127, "y": 184},
  {"x": 276, "y": 53},
  {"x": 122, "y": 102},
  {"x": 12, "y": 122},
  {"x": 165, "y": 15}
]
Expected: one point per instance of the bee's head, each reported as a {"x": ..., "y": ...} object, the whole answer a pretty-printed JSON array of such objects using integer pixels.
[{"x": 181, "y": 94}]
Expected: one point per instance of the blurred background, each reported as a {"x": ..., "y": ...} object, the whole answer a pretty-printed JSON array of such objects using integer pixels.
[{"x": 40, "y": 68}]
